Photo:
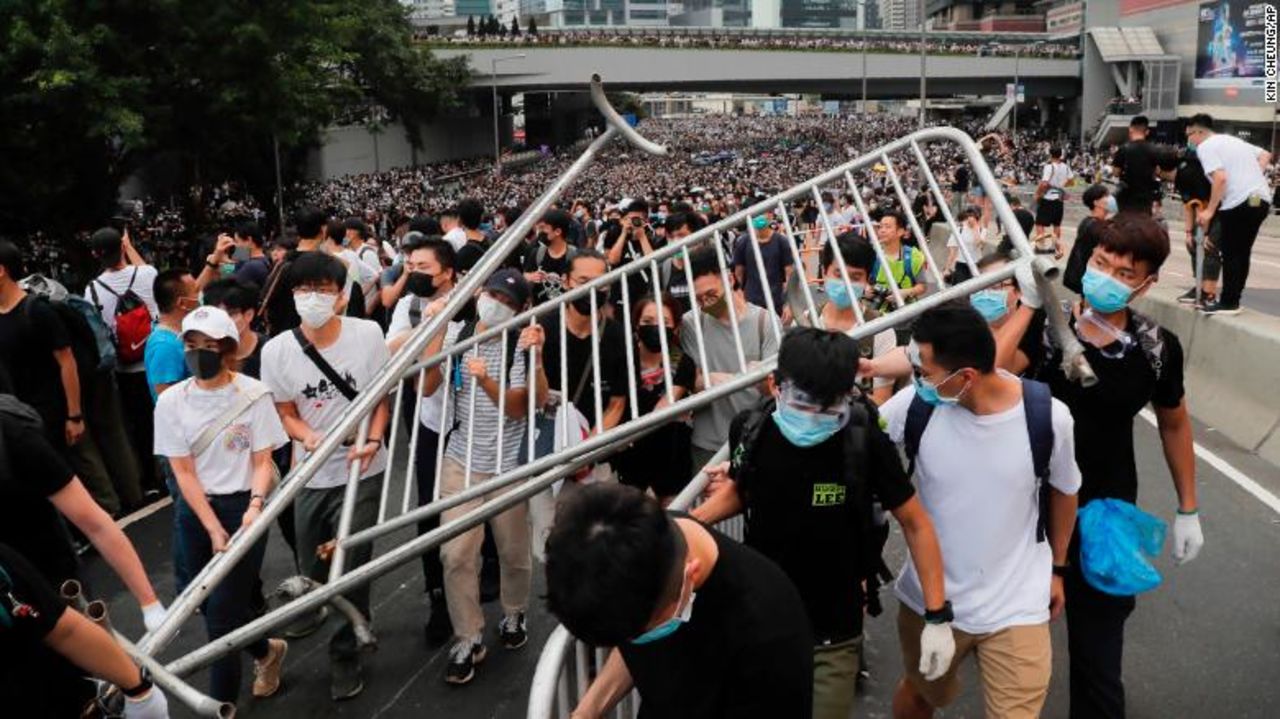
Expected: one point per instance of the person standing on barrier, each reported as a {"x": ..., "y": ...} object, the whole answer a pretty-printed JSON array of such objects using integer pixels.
[
  {"x": 811, "y": 468},
  {"x": 488, "y": 374},
  {"x": 712, "y": 313},
  {"x": 704, "y": 626},
  {"x": 993, "y": 459},
  {"x": 38, "y": 632},
  {"x": 1135, "y": 167},
  {"x": 429, "y": 278},
  {"x": 1193, "y": 187},
  {"x": 1137, "y": 362},
  {"x": 314, "y": 373},
  {"x": 217, "y": 430},
  {"x": 1239, "y": 200}
]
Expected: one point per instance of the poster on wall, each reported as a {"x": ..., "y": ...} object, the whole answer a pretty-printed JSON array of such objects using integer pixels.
[{"x": 1231, "y": 43}]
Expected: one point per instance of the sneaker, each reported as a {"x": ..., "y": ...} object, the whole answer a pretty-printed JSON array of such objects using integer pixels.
[
  {"x": 266, "y": 671},
  {"x": 307, "y": 625},
  {"x": 439, "y": 627},
  {"x": 1217, "y": 308},
  {"x": 1188, "y": 297},
  {"x": 345, "y": 681},
  {"x": 463, "y": 658},
  {"x": 512, "y": 631}
]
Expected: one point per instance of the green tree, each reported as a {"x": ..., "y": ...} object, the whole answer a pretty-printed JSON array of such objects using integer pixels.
[
  {"x": 533, "y": 26},
  {"x": 93, "y": 91},
  {"x": 515, "y": 27},
  {"x": 471, "y": 26}
]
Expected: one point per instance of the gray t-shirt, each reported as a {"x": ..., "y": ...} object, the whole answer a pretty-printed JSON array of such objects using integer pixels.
[{"x": 711, "y": 425}]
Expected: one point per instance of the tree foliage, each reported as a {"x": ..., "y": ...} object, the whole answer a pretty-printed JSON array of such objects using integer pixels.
[{"x": 94, "y": 89}]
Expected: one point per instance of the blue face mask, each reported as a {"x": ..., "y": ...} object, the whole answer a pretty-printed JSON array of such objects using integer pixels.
[
  {"x": 1111, "y": 205},
  {"x": 669, "y": 627},
  {"x": 805, "y": 429},
  {"x": 928, "y": 392},
  {"x": 838, "y": 292},
  {"x": 759, "y": 222},
  {"x": 1103, "y": 292},
  {"x": 991, "y": 304}
]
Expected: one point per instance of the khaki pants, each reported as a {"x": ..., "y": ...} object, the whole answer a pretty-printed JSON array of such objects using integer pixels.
[
  {"x": 835, "y": 679},
  {"x": 461, "y": 555},
  {"x": 1015, "y": 664}
]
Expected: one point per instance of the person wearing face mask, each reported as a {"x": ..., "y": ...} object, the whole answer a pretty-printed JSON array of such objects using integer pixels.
[
  {"x": 681, "y": 223},
  {"x": 489, "y": 374},
  {"x": 176, "y": 295},
  {"x": 278, "y": 306},
  {"x": 704, "y": 626},
  {"x": 1012, "y": 308},
  {"x": 968, "y": 244},
  {"x": 1137, "y": 363},
  {"x": 314, "y": 373},
  {"x": 632, "y": 239},
  {"x": 712, "y": 320},
  {"x": 1101, "y": 205},
  {"x": 775, "y": 256},
  {"x": 838, "y": 313},
  {"x": 239, "y": 300},
  {"x": 547, "y": 267},
  {"x": 808, "y": 465},
  {"x": 993, "y": 457},
  {"x": 217, "y": 430},
  {"x": 658, "y": 461}
]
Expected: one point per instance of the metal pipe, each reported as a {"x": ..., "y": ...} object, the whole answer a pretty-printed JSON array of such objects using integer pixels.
[
  {"x": 97, "y": 613},
  {"x": 175, "y": 687},
  {"x": 73, "y": 595},
  {"x": 546, "y": 676},
  {"x": 348, "y": 511},
  {"x": 296, "y": 586},
  {"x": 916, "y": 231}
]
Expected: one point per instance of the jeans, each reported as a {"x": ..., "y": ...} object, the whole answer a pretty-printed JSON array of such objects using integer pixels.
[
  {"x": 1095, "y": 643},
  {"x": 424, "y": 472},
  {"x": 1239, "y": 231},
  {"x": 316, "y": 514},
  {"x": 227, "y": 608}
]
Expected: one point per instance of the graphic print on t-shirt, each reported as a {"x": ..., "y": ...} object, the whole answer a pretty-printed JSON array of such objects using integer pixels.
[
  {"x": 828, "y": 495},
  {"x": 324, "y": 390}
]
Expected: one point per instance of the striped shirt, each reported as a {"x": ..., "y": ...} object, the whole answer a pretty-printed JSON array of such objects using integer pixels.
[{"x": 484, "y": 433}]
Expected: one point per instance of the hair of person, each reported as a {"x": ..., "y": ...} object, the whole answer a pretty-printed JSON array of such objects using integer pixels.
[
  {"x": 232, "y": 294},
  {"x": 251, "y": 230},
  {"x": 856, "y": 251},
  {"x": 336, "y": 231},
  {"x": 168, "y": 288},
  {"x": 817, "y": 362},
  {"x": 703, "y": 261},
  {"x": 318, "y": 268},
  {"x": 959, "y": 337},
  {"x": 1093, "y": 194},
  {"x": 898, "y": 216},
  {"x": 1055, "y": 152},
  {"x": 587, "y": 253},
  {"x": 107, "y": 245},
  {"x": 11, "y": 260},
  {"x": 613, "y": 558},
  {"x": 1014, "y": 200},
  {"x": 669, "y": 306},
  {"x": 445, "y": 255},
  {"x": 510, "y": 214},
  {"x": 357, "y": 224},
  {"x": 425, "y": 224},
  {"x": 1140, "y": 121},
  {"x": 1202, "y": 120},
  {"x": 309, "y": 222},
  {"x": 1138, "y": 236},
  {"x": 559, "y": 220},
  {"x": 639, "y": 204},
  {"x": 470, "y": 213},
  {"x": 994, "y": 257}
]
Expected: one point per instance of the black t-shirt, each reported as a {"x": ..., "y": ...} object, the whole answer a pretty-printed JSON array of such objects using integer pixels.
[
  {"x": 960, "y": 183},
  {"x": 1190, "y": 180},
  {"x": 1139, "y": 186},
  {"x": 800, "y": 513},
  {"x": 28, "y": 521},
  {"x": 1032, "y": 342},
  {"x": 469, "y": 254},
  {"x": 651, "y": 385},
  {"x": 613, "y": 365},
  {"x": 556, "y": 270},
  {"x": 1104, "y": 412},
  {"x": 29, "y": 335},
  {"x": 251, "y": 366},
  {"x": 745, "y": 652},
  {"x": 254, "y": 270},
  {"x": 1087, "y": 235},
  {"x": 33, "y": 677}
]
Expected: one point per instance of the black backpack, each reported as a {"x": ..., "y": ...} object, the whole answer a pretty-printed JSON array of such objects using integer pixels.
[
  {"x": 84, "y": 343},
  {"x": 873, "y": 529},
  {"x": 14, "y": 411}
]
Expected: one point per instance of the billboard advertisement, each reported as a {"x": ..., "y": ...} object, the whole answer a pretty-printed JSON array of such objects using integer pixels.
[{"x": 1231, "y": 40}]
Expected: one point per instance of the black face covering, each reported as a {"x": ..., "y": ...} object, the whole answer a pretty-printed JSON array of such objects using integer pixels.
[
  {"x": 421, "y": 284},
  {"x": 203, "y": 363},
  {"x": 583, "y": 304},
  {"x": 650, "y": 337},
  {"x": 542, "y": 239}
]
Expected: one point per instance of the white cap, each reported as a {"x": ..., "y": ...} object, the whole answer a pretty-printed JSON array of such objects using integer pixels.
[{"x": 212, "y": 322}]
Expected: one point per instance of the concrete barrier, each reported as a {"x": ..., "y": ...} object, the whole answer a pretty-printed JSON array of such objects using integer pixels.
[{"x": 1232, "y": 370}]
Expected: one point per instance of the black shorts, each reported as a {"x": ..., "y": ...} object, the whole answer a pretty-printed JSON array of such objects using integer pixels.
[{"x": 1049, "y": 213}]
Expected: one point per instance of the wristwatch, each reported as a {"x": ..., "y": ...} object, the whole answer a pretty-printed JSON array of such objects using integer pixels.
[
  {"x": 144, "y": 685},
  {"x": 939, "y": 616},
  {"x": 1060, "y": 570},
  {"x": 75, "y": 418}
]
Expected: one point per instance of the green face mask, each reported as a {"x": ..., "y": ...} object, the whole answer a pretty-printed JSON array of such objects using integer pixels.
[{"x": 759, "y": 222}]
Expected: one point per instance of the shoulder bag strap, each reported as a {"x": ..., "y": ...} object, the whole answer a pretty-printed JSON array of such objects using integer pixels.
[
  {"x": 211, "y": 431},
  {"x": 323, "y": 365}
]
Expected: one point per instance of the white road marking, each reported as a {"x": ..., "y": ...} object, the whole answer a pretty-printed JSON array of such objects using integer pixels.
[
  {"x": 145, "y": 512},
  {"x": 1240, "y": 478}
]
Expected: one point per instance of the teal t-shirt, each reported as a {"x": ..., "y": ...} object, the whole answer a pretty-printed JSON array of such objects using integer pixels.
[{"x": 163, "y": 359}]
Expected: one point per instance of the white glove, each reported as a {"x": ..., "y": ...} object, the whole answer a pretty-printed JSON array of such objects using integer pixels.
[
  {"x": 153, "y": 615},
  {"x": 1026, "y": 278},
  {"x": 1187, "y": 537},
  {"x": 151, "y": 706},
  {"x": 937, "y": 649}
]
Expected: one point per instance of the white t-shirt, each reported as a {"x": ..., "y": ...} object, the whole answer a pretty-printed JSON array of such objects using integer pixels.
[
  {"x": 185, "y": 410},
  {"x": 456, "y": 237},
  {"x": 433, "y": 405},
  {"x": 1057, "y": 174},
  {"x": 358, "y": 355},
  {"x": 359, "y": 273},
  {"x": 972, "y": 242},
  {"x": 883, "y": 343},
  {"x": 119, "y": 280},
  {"x": 977, "y": 481},
  {"x": 1240, "y": 161}
]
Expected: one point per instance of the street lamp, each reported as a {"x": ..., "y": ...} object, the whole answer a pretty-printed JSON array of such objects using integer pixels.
[
  {"x": 497, "y": 109},
  {"x": 922, "y": 64}
]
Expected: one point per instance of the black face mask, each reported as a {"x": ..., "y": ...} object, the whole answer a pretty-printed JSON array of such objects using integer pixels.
[
  {"x": 542, "y": 239},
  {"x": 421, "y": 284},
  {"x": 583, "y": 303},
  {"x": 649, "y": 337},
  {"x": 204, "y": 363}
]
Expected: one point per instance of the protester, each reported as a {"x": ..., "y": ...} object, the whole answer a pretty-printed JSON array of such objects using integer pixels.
[
  {"x": 703, "y": 626},
  {"x": 1194, "y": 189},
  {"x": 218, "y": 429},
  {"x": 546, "y": 268},
  {"x": 1135, "y": 167},
  {"x": 838, "y": 312},
  {"x": 240, "y": 301},
  {"x": 1051, "y": 195},
  {"x": 1101, "y": 205},
  {"x": 964, "y": 247},
  {"x": 774, "y": 256},
  {"x": 1239, "y": 199},
  {"x": 176, "y": 296}
]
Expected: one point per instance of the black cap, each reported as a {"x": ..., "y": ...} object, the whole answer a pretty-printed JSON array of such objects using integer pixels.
[{"x": 511, "y": 283}]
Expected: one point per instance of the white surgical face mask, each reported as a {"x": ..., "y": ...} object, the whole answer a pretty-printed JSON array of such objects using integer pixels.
[
  {"x": 492, "y": 312},
  {"x": 314, "y": 308}
]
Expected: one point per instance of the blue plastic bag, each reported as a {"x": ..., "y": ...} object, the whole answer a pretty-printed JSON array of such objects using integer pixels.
[{"x": 1116, "y": 538}]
